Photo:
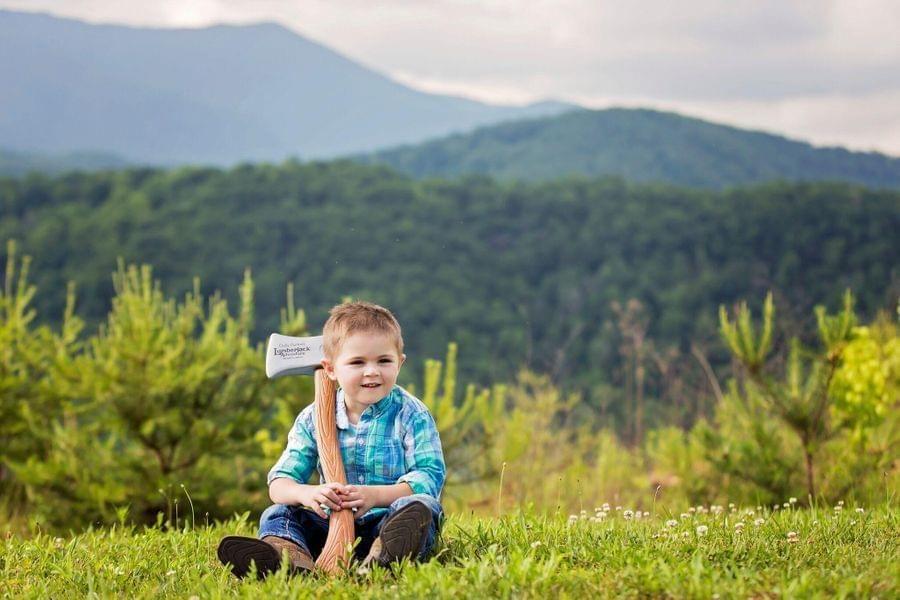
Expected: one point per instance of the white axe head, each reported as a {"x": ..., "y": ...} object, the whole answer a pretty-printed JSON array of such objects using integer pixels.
[{"x": 286, "y": 355}]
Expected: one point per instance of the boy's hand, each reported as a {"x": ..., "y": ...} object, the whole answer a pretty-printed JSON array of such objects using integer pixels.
[
  {"x": 360, "y": 497},
  {"x": 327, "y": 494}
]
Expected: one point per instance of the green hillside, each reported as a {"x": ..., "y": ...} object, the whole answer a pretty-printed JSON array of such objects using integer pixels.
[
  {"x": 518, "y": 274},
  {"x": 639, "y": 145}
]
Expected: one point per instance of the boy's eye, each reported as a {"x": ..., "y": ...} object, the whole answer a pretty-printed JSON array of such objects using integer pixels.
[{"x": 386, "y": 360}]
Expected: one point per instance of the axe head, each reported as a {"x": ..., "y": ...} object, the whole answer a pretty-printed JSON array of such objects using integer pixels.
[{"x": 286, "y": 355}]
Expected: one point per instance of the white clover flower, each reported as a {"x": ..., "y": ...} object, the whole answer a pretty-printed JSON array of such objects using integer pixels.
[
  {"x": 716, "y": 509},
  {"x": 628, "y": 514},
  {"x": 792, "y": 537},
  {"x": 731, "y": 505},
  {"x": 170, "y": 572},
  {"x": 671, "y": 523},
  {"x": 618, "y": 508},
  {"x": 638, "y": 515},
  {"x": 860, "y": 510},
  {"x": 685, "y": 516},
  {"x": 573, "y": 518},
  {"x": 758, "y": 507},
  {"x": 750, "y": 513},
  {"x": 702, "y": 529},
  {"x": 786, "y": 505},
  {"x": 840, "y": 502},
  {"x": 793, "y": 500},
  {"x": 838, "y": 508},
  {"x": 606, "y": 506},
  {"x": 759, "y": 522},
  {"x": 646, "y": 514},
  {"x": 535, "y": 544},
  {"x": 774, "y": 507},
  {"x": 686, "y": 534},
  {"x": 739, "y": 525},
  {"x": 692, "y": 510}
]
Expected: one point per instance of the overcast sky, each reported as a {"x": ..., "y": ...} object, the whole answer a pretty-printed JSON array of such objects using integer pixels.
[{"x": 827, "y": 71}]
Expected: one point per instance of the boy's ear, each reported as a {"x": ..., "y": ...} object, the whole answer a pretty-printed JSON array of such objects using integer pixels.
[
  {"x": 328, "y": 367},
  {"x": 402, "y": 360}
]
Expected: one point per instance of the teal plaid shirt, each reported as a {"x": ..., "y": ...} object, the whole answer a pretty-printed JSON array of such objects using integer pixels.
[{"x": 395, "y": 440}]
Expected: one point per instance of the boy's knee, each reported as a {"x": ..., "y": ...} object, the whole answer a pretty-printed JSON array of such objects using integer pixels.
[
  {"x": 429, "y": 501},
  {"x": 276, "y": 511}
]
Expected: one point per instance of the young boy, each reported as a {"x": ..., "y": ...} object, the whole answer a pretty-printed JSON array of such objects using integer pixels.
[{"x": 390, "y": 448}]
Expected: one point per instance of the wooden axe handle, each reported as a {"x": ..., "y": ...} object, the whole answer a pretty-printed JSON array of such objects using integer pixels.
[{"x": 341, "y": 533}]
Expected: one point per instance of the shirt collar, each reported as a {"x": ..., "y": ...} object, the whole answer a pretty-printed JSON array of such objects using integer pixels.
[{"x": 343, "y": 421}]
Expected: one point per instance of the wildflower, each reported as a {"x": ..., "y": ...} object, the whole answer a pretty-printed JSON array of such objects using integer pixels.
[
  {"x": 702, "y": 529},
  {"x": 860, "y": 510},
  {"x": 731, "y": 505},
  {"x": 840, "y": 502},
  {"x": 600, "y": 516},
  {"x": 606, "y": 506},
  {"x": 686, "y": 534},
  {"x": 759, "y": 508},
  {"x": 750, "y": 513},
  {"x": 638, "y": 515},
  {"x": 716, "y": 509},
  {"x": 618, "y": 508},
  {"x": 739, "y": 525},
  {"x": 774, "y": 507},
  {"x": 692, "y": 510},
  {"x": 671, "y": 523},
  {"x": 838, "y": 508},
  {"x": 793, "y": 500},
  {"x": 759, "y": 522},
  {"x": 628, "y": 514},
  {"x": 786, "y": 505},
  {"x": 685, "y": 516},
  {"x": 535, "y": 544},
  {"x": 792, "y": 537},
  {"x": 646, "y": 514},
  {"x": 170, "y": 572}
]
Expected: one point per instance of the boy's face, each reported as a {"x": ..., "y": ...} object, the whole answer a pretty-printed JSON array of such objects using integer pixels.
[{"x": 366, "y": 368}]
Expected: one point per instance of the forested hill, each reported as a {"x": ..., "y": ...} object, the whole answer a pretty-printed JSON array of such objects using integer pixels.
[
  {"x": 640, "y": 145},
  {"x": 518, "y": 274}
]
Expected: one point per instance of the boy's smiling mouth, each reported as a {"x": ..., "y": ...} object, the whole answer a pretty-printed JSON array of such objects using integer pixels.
[{"x": 371, "y": 385}]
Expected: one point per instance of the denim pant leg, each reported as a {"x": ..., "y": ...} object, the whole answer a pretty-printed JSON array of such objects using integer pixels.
[
  {"x": 295, "y": 523},
  {"x": 437, "y": 518}
]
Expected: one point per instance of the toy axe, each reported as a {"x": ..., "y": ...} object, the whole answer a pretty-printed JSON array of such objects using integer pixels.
[{"x": 286, "y": 355}]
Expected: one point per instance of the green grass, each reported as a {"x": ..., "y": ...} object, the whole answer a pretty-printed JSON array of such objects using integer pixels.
[{"x": 837, "y": 554}]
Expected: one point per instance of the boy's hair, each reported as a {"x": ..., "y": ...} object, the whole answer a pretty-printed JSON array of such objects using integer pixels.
[{"x": 354, "y": 317}]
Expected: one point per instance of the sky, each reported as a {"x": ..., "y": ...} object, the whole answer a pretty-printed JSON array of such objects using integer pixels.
[{"x": 825, "y": 71}]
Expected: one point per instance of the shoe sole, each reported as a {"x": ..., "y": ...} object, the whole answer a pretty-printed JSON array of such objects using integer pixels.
[
  {"x": 239, "y": 552},
  {"x": 401, "y": 534}
]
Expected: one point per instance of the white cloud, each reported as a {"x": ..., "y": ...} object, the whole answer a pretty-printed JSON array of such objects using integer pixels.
[{"x": 825, "y": 70}]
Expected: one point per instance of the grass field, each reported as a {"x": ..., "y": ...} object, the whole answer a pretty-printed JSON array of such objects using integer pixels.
[{"x": 702, "y": 553}]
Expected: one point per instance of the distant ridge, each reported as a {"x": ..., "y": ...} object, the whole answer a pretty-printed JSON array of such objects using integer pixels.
[
  {"x": 639, "y": 145},
  {"x": 220, "y": 95},
  {"x": 16, "y": 164}
]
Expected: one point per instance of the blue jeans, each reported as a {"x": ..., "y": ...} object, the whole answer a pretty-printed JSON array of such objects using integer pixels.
[{"x": 307, "y": 529}]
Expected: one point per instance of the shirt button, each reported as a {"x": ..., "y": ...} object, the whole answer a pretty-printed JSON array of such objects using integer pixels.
[
  {"x": 360, "y": 441},
  {"x": 361, "y": 478}
]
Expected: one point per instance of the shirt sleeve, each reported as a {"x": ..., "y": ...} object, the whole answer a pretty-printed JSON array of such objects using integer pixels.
[
  {"x": 300, "y": 456},
  {"x": 424, "y": 457}
]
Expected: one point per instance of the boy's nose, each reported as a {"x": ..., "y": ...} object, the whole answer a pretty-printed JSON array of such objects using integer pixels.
[{"x": 370, "y": 370}]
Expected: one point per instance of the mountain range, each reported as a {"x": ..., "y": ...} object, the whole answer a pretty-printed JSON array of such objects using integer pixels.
[{"x": 215, "y": 95}]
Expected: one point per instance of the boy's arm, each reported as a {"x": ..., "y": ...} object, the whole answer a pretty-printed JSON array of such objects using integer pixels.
[{"x": 425, "y": 458}]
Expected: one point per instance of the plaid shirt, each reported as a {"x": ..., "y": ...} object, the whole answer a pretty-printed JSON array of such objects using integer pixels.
[{"x": 395, "y": 440}]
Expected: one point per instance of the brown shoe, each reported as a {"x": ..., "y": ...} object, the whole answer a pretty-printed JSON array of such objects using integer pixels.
[
  {"x": 240, "y": 552},
  {"x": 401, "y": 535}
]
